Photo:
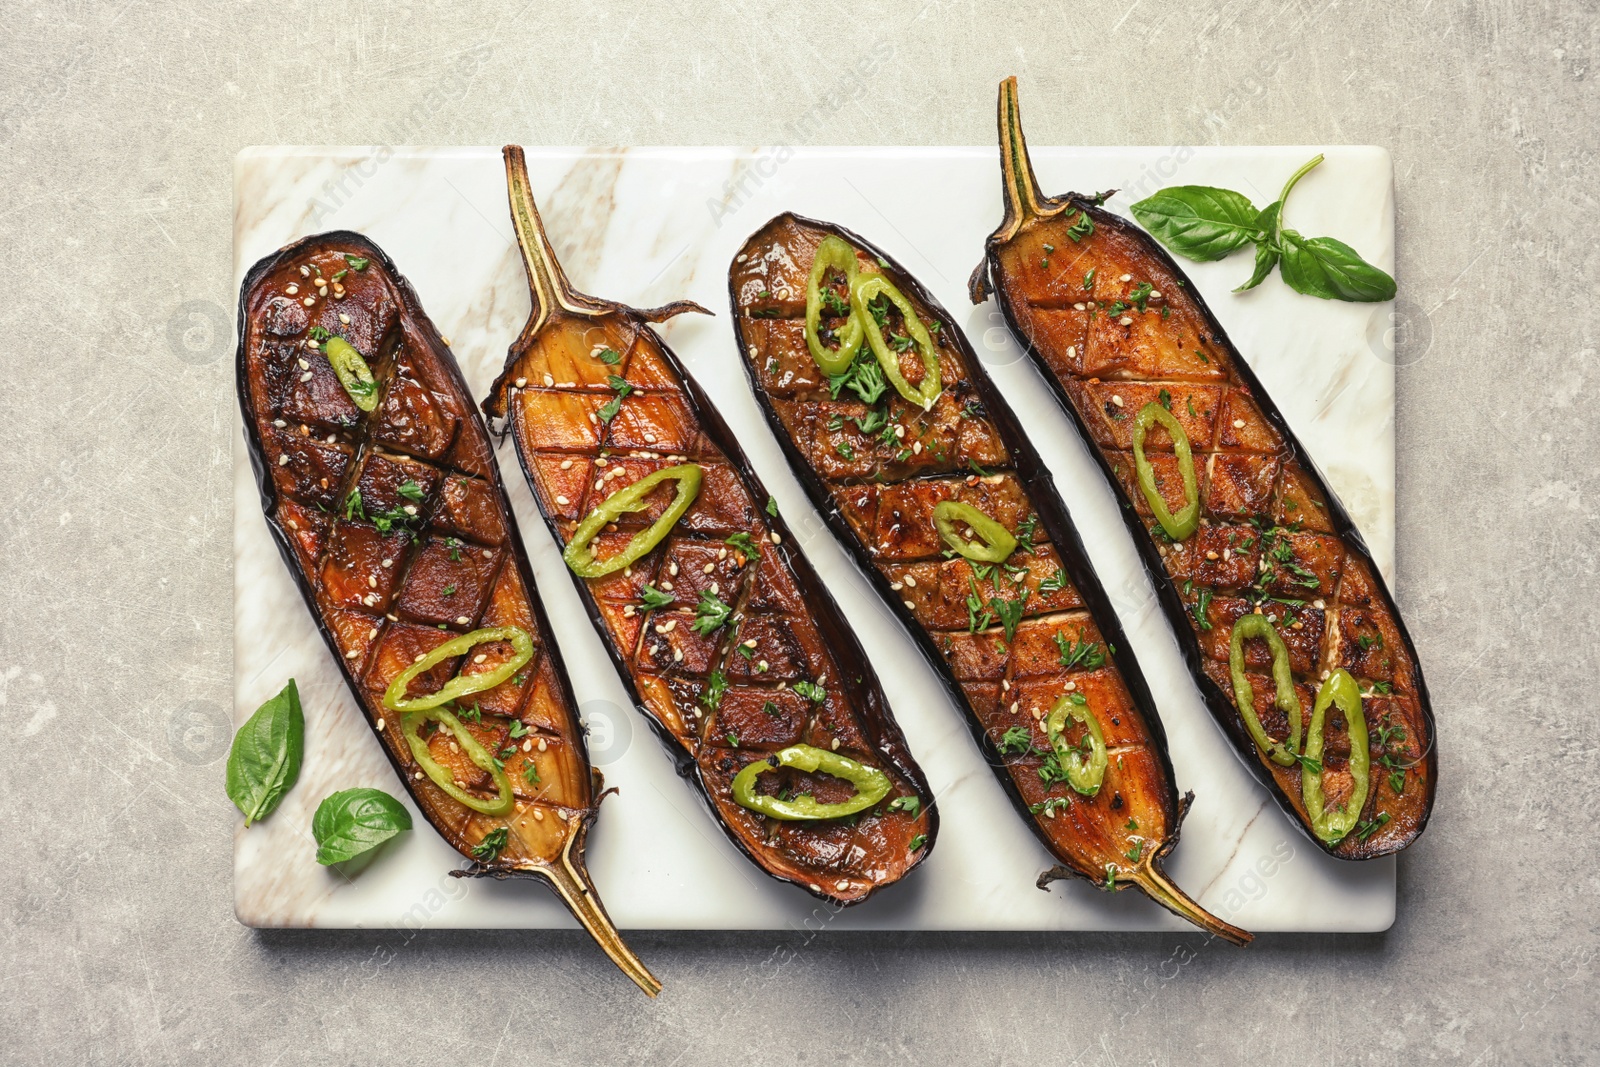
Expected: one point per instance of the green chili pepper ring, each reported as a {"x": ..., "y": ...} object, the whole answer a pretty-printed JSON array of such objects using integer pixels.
[
  {"x": 1244, "y": 697},
  {"x": 580, "y": 557},
  {"x": 1083, "y": 775},
  {"x": 872, "y": 785},
  {"x": 353, "y": 372},
  {"x": 867, "y": 289},
  {"x": 836, "y": 254},
  {"x": 442, "y": 778},
  {"x": 1185, "y": 522},
  {"x": 1332, "y": 826},
  {"x": 461, "y": 685},
  {"x": 998, "y": 544}
]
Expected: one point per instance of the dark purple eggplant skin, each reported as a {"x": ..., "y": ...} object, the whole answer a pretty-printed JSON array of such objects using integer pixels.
[
  {"x": 985, "y": 282},
  {"x": 269, "y": 494},
  {"x": 1056, "y": 521},
  {"x": 856, "y": 679}
]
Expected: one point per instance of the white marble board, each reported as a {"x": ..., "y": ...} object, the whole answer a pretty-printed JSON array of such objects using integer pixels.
[{"x": 647, "y": 226}]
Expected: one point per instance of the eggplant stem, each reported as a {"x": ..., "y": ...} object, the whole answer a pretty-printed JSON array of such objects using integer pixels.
[
  {"x": 547, "y": 282},
  {"x": 1024, "y": 199},
  {"x": 1158, "y": 887},
  {"x": 571, "y": 883}
]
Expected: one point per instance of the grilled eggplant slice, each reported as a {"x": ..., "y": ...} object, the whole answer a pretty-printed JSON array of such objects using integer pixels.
[
  {"x": 950, "y": 513},
  {"x": 380, "y": 488},
  {"x": 730, "y": 645},
  {"x": 1115, "y": 327}
]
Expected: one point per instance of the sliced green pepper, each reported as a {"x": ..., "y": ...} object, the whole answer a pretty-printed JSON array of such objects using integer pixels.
[
  {"x": 461, "y": 685},
  {"x": 1244, "y": 697},
  {"x": 353, "y": 372},
  {"x": 872, "y": 785},
  {"x": 580, "y": 557},
  {"x": 868, "y": 288},
  {"x": 1185, "y": 522},
  {"x": 1332, "y": 826},
  {"x": 411, "y": 721},
  {"x": 833, "y": 254},
  {"x": 998, "y": 544},
  {"x": 1084, "y": 775}
]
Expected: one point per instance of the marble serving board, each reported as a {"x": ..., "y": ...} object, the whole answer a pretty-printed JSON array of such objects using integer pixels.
[{"x": 648, "y": 226}]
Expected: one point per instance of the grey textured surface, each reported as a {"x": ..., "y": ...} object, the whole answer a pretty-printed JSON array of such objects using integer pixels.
[{"x": 119, "y": 124}]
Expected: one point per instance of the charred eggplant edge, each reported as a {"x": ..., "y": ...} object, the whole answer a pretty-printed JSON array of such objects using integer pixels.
[
  {"x": 867, "y": 694},
  {"x": 1218, "y": 703},
  {"x": 1053, "y": 513},
  {"x": 571, "y": 883}
]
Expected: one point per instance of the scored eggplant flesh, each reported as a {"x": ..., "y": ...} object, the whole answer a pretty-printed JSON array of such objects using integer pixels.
[
  {"x": 878, "y": 470},
  {"x": 1114, "y": 325},
  {"x": 396, "y": 529},
  {"x": 782, "y": 666}
]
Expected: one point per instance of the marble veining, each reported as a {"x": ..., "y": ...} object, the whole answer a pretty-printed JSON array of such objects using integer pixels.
[{"x": 647, "y": 226}]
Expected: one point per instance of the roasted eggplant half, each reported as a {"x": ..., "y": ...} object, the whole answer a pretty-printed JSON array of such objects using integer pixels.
[
  {"x": 729, "y": 644},
  {"x": 1285, "y": 622},
  {"x": 904, "y": 444},
  {"x": 380, "y": 487}
]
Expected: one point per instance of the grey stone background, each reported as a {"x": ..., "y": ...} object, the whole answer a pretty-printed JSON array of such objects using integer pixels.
[{"x": 119, "y": 122}]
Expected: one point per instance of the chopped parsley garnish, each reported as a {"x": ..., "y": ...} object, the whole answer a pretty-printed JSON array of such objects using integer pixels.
[
  {"x": 710, "y": 614},
  {"x": 918, "y": 841},
  {"x": 654, "y": 599},
  {"x": 1051, "y": 807},
  {"x": 608, "y": 356},
  {"x": 1016, "y": 741},
  {"x": 716, "y": 685},
  {"x": 1366, "y": 829},
  {"x": 745, "y": 544},
  {"x": 772, "y": 506},
  {"x": 411, "y": 491},
  {"x": 912, "y": 805},
  {"x": 493, "y": 842},
  {"x": 1081, "y": 228},
  {"x": 356, "y": 262},
  {"x": 811, "y": 691},
  {"x": 1085, "y": 654}
]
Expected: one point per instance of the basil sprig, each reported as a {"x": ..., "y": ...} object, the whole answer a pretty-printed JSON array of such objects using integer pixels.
[
  {"x": 1203, "y": 223},
  {"x": 353, "y": 821},
  {"x": 265, "y": 758}
]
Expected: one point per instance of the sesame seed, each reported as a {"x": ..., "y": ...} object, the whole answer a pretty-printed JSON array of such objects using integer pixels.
[
  {"x": 834, "y": 745},
  {"x": 372, "y": 633},
  {"x": 527, "y": 744},
  {"x": 909, "y": 605},
  {"x": 1238, "y": 424},
  {"x": 462, "y": 620},
  {"x": 344, "y": 319},
  {"x": 417, "y": 776},
  {"x": 896, "y": 586},
  {"x": 722, "y": 553},
  {"x": 352, "y": 654},
  {"x": 1212, "y": 554},
  {"x": 650, "y": 437},
  {"x": 627, "y": 611},
  {"x": 763, "y": 664},
  {"x": 488, "y": 554},
  {"x": 672, "y": 569},
  {"x": 322, "y": 291},
  {"x": 677, "y": 657},
  {"x": 716, "y": 588},
  {"x": 305, "y": 272},
  {"x": 1155, "y": 294},
  {"x": 911, "y": 581},
  {"x": 388, "y": 563},
  {"x": 293, "y": 290},
  {"x": 306, "y": 377},
  {"x": 543, "y": 744},
  {"x": 1014, "y": 705},
  {"x": 445, "y": 339},
  {"x": 279, "y": 423},
  {"x": 410, "y": 509},
  {"x": 563, "y": 501},
  {"x": 381, "y": 725},
  {"x": 1126, "y": 320},
  {"x": 549, "y": 380},
  {"x": 538, "y": 815},
  {"x": 283, "y": 460},
  {"x": 672, "y": 624},
  {"x": 775, "y": 538},
  {"x": 372, "y": 582},
  {"x": 1071, "y": 686},
  {"x": 420, "y": 656},
  {"x": 750, "y": 643},
  {"x": 1318, "y": 604},
  {"x": 480, "y": 657},
  {"x": 601, "y": 462},
  {"x": 666, "y": 586},
  {"x": 1072, "y": 351},
  {"x": 309, "y": 301},
  {"x": 1077, "y": 307},
  {"x": 1116, "y": 398},
  {"x": 303, "y": 364},
  {"x": 708, "y": 568},
  {"x": 1127, "y": 277},
  {"x": 319, "y": 280},
  {"x": 566, "y": 464}
]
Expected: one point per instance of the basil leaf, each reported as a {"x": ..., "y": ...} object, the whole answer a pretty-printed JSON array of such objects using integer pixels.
[
  {"x": 1332, "y": 270},
  {"x": 265, "y": 758},
  {"x": 1266, "y": 245},
  {"x": 354, "y": 821},
  {"x": 1198, "y": 221}
]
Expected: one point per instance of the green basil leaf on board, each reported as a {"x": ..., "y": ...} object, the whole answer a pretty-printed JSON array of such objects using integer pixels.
[
  {"x": 1332, "y": 270},
  {"x": 1203, "y": 223},
  {"x": 1267, "y": 247},
  {"x": 265, "y": 758},
  {"x": 1198, "y": 221},
  {"x": 354, "y": 821}
]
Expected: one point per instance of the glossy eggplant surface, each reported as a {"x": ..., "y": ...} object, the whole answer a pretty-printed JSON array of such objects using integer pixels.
[
  {"x": 380, "y": 487},
  {"x": 924, "y": 473},
  {"x": 1286, "y": 624},
  {"x": 730, "y": 645}
]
